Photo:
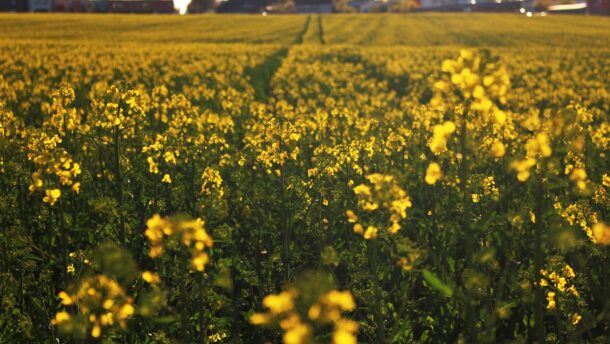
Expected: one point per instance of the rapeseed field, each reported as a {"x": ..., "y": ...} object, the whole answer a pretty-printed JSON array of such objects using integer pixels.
[{"x": 431, "y": 178}]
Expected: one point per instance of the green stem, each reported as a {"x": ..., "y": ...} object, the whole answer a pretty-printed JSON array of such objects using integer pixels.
[
  {"x": 119, "y": 180},
  {"x": 285, "y": 230},
  {"x": 538, "y": 262},
  {"x": 203, "y": 329},
  {"x": 467, "y": 234},
  {"x": 378, "y": 315}
]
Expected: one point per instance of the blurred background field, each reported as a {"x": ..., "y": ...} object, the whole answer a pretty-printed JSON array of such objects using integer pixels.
[{"x": 421, "y": 30}]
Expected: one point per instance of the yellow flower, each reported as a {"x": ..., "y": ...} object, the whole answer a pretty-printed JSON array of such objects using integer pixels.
[
  {"x": 151, "y": 277},
  {"x": 448, "y": 127},
  {"x": 572, "y": 290},
  {"x": 298, "y": 334},
  {"x": 126, "y": 311},
  {"x": 394, "y": 228},
  {"x": 568, "y": 271},
  {"x": 539, "y": 146},
  {"x": 96, "y": 331},
  {"x": 601, "y": 233},
  {"x": 108, "y": 304},
  {"x": 61, "y": 317},
  {"x": 579, "y": 176},
  {"x": 199, "y": 260},
  {"x": 280, "y": 303},
  {"x": 575, "y": 318},
  {"x": 343, "y": 337},
  {"x": 344, "y": 332},
  {"x": 152, "y": 165},
  {"x": 440, "y": 135},
  {"x": 343, "y": 299},
  {"x": 371, "y": 232},
  {"x": 362, "y": 190},
  {"x": 166, "y": 179},
  {"x": 499, "y": 116},
  {"x": 351, "y": 216},
  {"x": 170, "y": 158},
  {"x": 66, "y": 299},
  {"x": 370, "y": 206},
  {"x": 260, "y": 318},
  {"x": 433, "y": 173},
  {"x": 550, "y": 297},
  {"x": 36, "y": 182},
  {"x": 51, "y": 196},
  {"x": 497, "y": 149},
  {"x": 449, "y": 66},
  {"x": 523, "y": 168}
]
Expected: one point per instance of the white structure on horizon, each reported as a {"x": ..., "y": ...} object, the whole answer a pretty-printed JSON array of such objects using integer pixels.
[{"x": 39, "y": 5}]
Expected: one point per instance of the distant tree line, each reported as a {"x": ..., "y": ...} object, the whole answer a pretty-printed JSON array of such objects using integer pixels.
[
  {"x": 201, "y": 6},
  {"x": 288, "y": 6}
]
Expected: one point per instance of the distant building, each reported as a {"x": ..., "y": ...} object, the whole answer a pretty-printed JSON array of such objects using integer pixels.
[
  {"x": 141, "y": 6},
  {"x": 313, "y": 6},
  {"x": 13, "y": 5},
  {"x": 201, "y": 6},
  {"x": 242, "y": 6},
  {"x": 444, "y": 3},
  {"x": 79, "y": 5},
  {"x": 599, "y": 7},
  {"x": 39, "y": 5},
  {"x": 512, "y": 6},
  {"x": 576, "y": 8}
]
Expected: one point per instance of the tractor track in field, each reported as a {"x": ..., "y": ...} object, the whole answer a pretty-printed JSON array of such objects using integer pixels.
[
  {"x": 321, "y": 30},
  {"x": 260, "y": 76}
]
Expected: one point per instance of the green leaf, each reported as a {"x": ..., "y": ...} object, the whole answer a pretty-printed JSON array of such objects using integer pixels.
[
  {"x": 166, "y": 320},
  {"x": 436, "y": 283}
]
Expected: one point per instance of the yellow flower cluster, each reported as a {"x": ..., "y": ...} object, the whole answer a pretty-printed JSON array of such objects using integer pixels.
[
  {"x": 581, "y": 214},
  {"x": 212, "y": 183},
  {"x": 327, "y": 309},
  {"x": 51, "y": 160},
  {"x": 65, "y": 121},
  {"x": 276, "y": 144},
  {"x": 477, "y": 81},
  {"x": 536, "y": 148},
  {"x": 191, "y": 234},
  {"x": 119, "y": 109},
  {"x": 156, "y": 151},
  {"x": 558, "y": 283},
  {"x": 433, "y": 173},
  {"x": 385, "y": 193},
  {"x": 440, "y": 135},
  {"x": 601, "y": 233},
  {"x": 579, "y": 177},
  {"x": 101, "y": 301}
]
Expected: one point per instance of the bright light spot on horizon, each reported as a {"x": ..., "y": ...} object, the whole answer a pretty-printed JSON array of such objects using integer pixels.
[{"x": 181, "y": 5}]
